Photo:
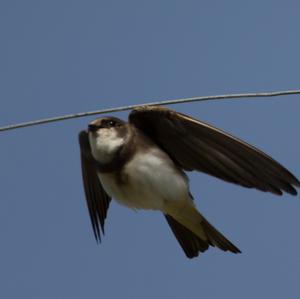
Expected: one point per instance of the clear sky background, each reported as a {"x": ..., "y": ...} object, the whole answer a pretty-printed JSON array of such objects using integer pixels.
[{"x": 59, "y": 57}]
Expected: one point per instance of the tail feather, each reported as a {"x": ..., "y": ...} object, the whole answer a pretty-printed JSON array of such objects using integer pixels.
[
  {"x": 215, "y": 238},
  {"x": 192, "y": 244},
  {"x": 189, "y": 242}
]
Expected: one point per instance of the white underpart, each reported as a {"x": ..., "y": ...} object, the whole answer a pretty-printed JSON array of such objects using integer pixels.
[
  {"x": 152, "y": 183},
  {"x": 104, "y": 143}
]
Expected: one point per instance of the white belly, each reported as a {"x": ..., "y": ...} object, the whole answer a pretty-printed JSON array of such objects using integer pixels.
[{"x": 152, "y": 182}]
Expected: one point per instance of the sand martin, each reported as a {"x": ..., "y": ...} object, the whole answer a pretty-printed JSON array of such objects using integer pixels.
[{"x": 142, "y": 163}]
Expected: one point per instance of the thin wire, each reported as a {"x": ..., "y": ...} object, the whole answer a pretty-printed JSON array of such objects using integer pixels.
[{"x": 165, "y": 102}]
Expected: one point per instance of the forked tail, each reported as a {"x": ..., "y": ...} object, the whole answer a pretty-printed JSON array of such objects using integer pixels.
[{"x": 202, "y": 236}]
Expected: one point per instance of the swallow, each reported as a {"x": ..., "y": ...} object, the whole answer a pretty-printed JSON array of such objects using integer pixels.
[{"x": 142, "y": 164}]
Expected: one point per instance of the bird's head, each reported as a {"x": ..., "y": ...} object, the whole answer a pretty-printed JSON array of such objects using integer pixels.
[
  {"x": 106, "y": 123},
  {"x": 106, "y": 136}
]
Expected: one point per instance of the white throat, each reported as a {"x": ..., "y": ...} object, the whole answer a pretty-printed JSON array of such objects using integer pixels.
[{"x": 104, "y": 144}]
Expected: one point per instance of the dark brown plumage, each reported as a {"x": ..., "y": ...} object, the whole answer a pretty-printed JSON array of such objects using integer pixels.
[
  {"x": 195, "y": 145},
  {"x": 97, "y": 199},
  {"x": 192, "y": 145}
]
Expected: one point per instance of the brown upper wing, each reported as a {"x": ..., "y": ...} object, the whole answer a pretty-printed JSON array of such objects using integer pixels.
[
  {"x": 96, "y": 198},
  {"x": 195, "y": 145}
]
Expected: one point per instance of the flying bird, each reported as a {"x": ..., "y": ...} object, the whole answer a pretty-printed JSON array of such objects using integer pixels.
[{"x": 142, "y": 164}]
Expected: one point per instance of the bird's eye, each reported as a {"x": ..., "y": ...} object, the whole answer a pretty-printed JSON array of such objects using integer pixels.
[{"x": 111, "y": 123}]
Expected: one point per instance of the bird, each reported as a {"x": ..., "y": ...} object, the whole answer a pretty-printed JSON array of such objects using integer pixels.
[{"x": 143, "y": 164}]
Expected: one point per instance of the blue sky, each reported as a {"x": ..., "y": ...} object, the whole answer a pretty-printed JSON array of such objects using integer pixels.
[{"x": 60, "y": 57}]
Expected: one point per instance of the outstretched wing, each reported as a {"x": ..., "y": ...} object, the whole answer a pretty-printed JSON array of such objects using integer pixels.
[
  {"x": 195, "y": 145},
  {"x": 96, "y": 198}
]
